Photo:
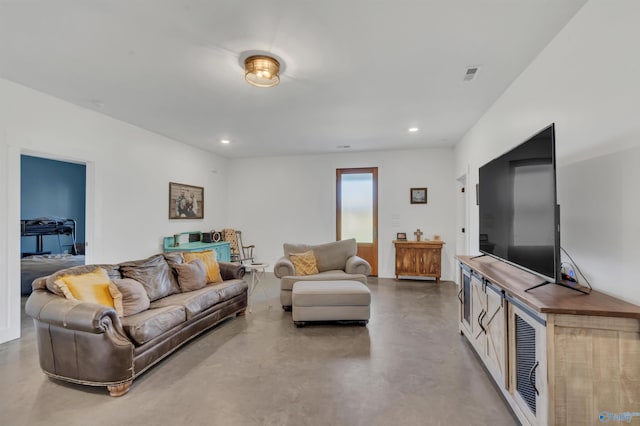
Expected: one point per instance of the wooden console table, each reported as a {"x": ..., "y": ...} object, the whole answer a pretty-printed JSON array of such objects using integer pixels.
[
  {"x": 418, "y": 258},
  {"x": 222, "y": 248}
]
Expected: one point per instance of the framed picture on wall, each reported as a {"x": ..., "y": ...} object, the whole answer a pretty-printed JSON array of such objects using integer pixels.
[
  {"x": 186, "y": 201},
  {"x": 418, "y": 195}
]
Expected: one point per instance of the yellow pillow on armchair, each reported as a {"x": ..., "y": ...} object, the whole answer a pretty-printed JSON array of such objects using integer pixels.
[
  {"x": 93, "y": 287},
  {"x": 304, "y": 263}
]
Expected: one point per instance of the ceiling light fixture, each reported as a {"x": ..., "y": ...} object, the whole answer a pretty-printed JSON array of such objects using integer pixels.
[
  {"x": 413, "y": 129},
  {"x": 262, "y": 71},
  {"x": 225, "y": 141}
]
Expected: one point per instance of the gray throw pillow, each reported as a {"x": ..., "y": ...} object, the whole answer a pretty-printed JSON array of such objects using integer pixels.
[
  {"x": 134, "y": 296},
  {"x": 192, "y": 276},
  {"x": 154, "y": 274}
]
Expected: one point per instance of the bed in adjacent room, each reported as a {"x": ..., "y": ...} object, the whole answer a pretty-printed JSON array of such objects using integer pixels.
[{"x": 33, "y": 267}]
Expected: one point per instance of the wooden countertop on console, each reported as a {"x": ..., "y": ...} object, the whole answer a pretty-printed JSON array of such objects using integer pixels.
[
  {"x": 551, "y": 299},
  {"x": 424, "y": 243}
]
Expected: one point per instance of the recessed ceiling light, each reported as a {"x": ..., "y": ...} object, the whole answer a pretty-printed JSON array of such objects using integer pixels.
[
  {"x": 413, "y": 129},
  {"x": 225, "y": 141},
  {"x": 343, "y": 146}
]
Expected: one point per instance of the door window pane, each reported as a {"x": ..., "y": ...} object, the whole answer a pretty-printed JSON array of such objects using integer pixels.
[{"x": 357, "y": 207}]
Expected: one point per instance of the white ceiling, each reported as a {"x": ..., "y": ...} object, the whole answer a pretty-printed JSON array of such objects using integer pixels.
[{"x": 357, "y": 72}]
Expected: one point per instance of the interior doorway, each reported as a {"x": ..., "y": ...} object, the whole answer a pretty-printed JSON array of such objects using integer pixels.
[
  {"x": 462, "y": 215},
  {"x": 52, "y": 217},
  {"x": 357, "y": 211}
]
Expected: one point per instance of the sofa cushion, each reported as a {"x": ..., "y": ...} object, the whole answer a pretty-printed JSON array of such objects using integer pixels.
[
  {"x": 154, "y": 274},
  {"x": 330, "y": 293},
  {"x": 151, "y": 323},
  {"x": 112, "y": 270},
  {"x": 199, "y": 301},
  {"x": 329, "y": 256},
  {"x": 304, "y": 263},
  {"x": 286, "y": 283},
  {"x": 191, "y": 275},
  {"x": 210, "y": 262},
  {"x": 134, "y": 296},
  {"x": 93, "y": 287}
]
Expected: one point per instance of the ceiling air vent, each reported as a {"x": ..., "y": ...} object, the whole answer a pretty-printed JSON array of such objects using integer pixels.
[{"x": 471, "y": 73}]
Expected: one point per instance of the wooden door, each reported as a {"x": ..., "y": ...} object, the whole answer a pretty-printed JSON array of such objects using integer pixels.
[
  {"x": 405, "y": 261},
  {"x": 479, "y": 310},
  {"x": 495, "y": 324},
  {"x": 528, "y": 364},
  {"x": 357, "y": 211}
]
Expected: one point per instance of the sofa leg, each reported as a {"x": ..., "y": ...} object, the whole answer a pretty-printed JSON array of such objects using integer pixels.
[
  {"x": 286, "y": 308},
  {"x": 120, "y": 389},
  {"x": 300, "y": 323},
  {"x": 241, "y": 313},
  {"x": 363, "y": 323}
]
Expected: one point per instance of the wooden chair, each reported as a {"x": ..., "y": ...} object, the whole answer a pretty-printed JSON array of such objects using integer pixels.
[{"x": 239, "y": 252}]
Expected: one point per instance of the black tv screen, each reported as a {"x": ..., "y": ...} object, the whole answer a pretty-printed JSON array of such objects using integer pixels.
[{"x": 519, "y": 216}]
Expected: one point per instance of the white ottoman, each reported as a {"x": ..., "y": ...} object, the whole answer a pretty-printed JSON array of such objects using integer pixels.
[{"x": 330, "y": 301}]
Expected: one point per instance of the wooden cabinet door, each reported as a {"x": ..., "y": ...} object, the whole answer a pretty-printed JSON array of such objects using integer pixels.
[
  {"x": 428, "y": 261},
  {"x": 495, "y": 323},
  {"x": 405, "y": 261},
  {"x": 478, "y": 311},
  {"x": 464, "y": 297},
  {"x": 528, "y": 365}
]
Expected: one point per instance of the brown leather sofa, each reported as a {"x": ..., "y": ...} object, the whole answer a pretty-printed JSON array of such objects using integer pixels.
[{"x": 90, "y": 344}]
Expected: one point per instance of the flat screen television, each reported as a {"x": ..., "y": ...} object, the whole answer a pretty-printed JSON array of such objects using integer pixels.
[{"x": 519, "y": 214}]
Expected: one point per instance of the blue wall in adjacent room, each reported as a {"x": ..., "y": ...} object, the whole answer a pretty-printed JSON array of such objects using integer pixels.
[{"x": 52, "y": 188}]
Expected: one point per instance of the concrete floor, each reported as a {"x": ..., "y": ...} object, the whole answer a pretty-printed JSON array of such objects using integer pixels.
[{"x": 409, "y": 366}]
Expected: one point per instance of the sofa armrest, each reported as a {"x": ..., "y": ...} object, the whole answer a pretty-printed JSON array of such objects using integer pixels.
[
  {"x": 284, "y": 267},
  {"x": 357, "y": 265},
  {"x": 73, "y": 314},
  {"x": 231, "y": 271}
]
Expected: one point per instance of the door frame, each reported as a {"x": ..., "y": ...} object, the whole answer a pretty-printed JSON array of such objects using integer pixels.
[
  {"x": 10, "y": 300},
  {"x": 374, "y": 245}
]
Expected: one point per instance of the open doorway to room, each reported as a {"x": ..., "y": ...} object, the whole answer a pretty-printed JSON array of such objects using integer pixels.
[
  {"x": 462, "y": 215},
  {"x": 52, "y": 217}
]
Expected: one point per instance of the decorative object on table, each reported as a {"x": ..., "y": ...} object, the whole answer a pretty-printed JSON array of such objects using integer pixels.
[
  {"x": 436, "y": 237},
  {"x": 401, "y": 236},
  {"x": 211, "y": 236},
  {"x": 418, "y": 195},
  {"x": 207, "y": 236},
  {"x": 186, "y": 201},
  {"x": 418, "y": 234}
]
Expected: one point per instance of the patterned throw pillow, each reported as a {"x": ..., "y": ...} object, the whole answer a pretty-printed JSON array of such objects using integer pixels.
[
  {"x": 93, "y": 287},
  {"x": 208, "y": 257},
  {"x": 192, "y": 275},
  {"x": 304, "y": 263}
]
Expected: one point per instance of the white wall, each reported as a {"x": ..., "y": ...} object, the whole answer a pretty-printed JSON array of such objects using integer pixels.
[
  {"x": 292, "y": 199},
  {"x": 586, "y": 82},
  {"x": 129, "y": 170}
]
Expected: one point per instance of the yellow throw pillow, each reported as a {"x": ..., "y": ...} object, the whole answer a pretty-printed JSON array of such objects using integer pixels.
[
  {"x": 93, "y": 287},
  {"x": 208, "y": 257},
  {"x": 305, "y": 263}
]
